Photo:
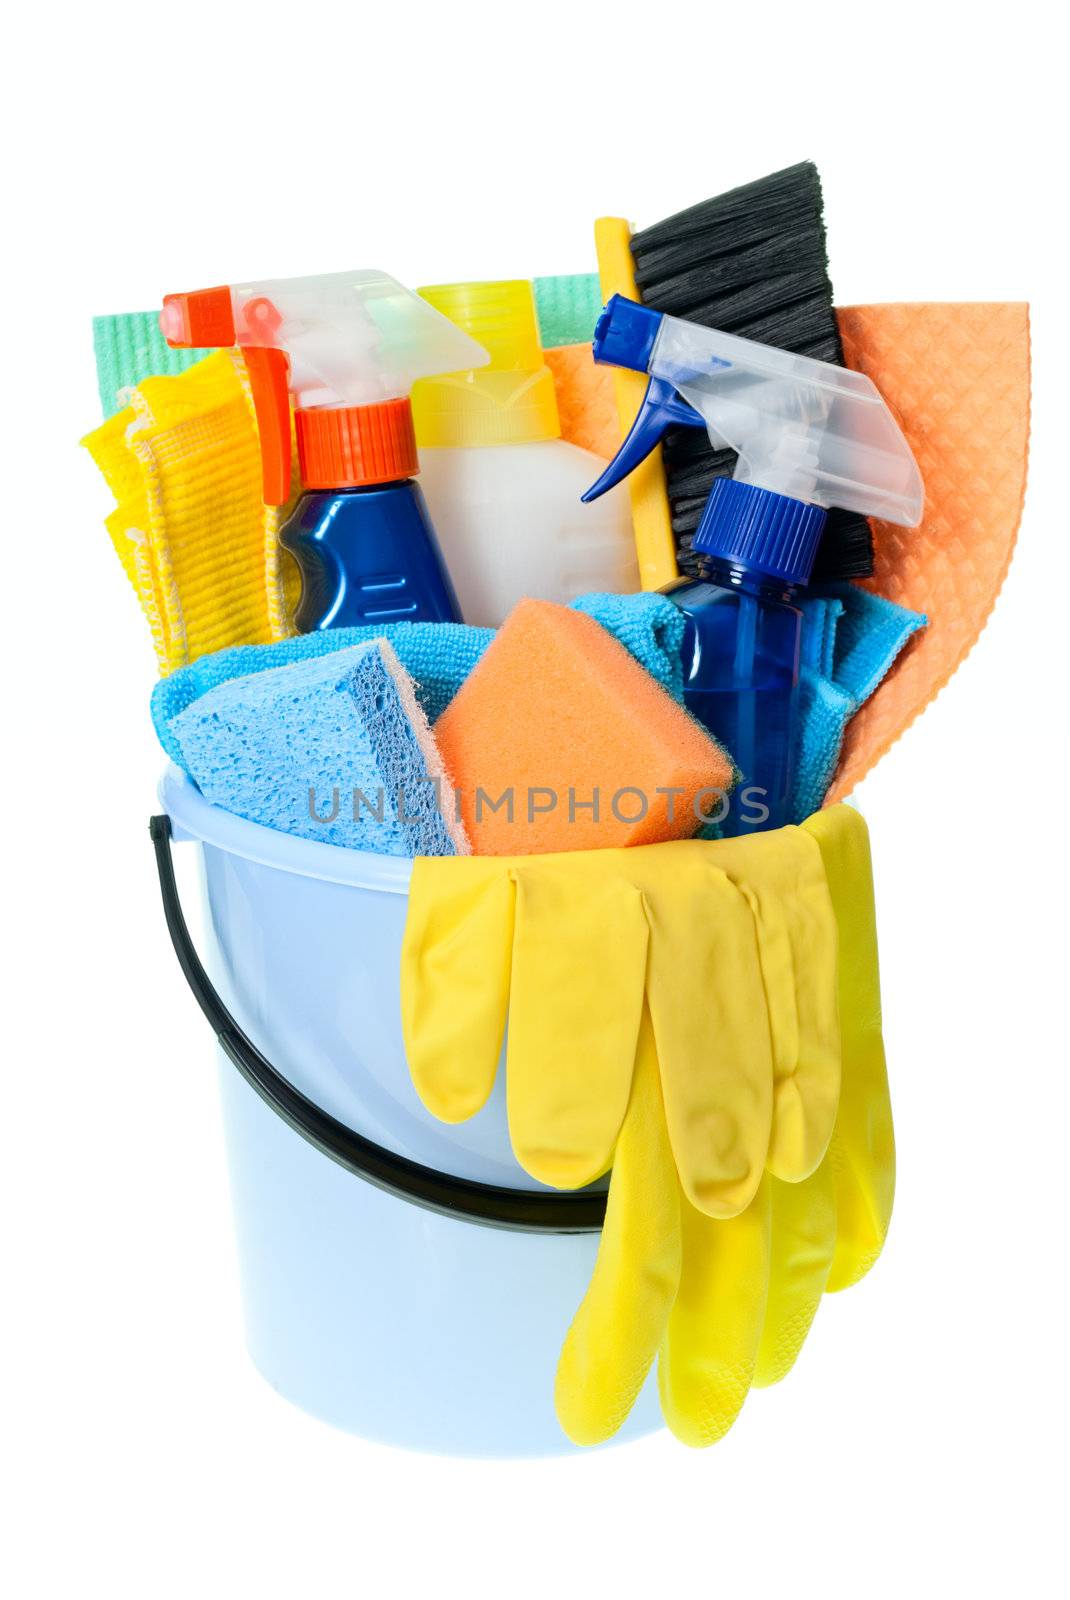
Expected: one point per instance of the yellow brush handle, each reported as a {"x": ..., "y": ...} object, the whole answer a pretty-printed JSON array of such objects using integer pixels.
[{"x": 654, "y": 543}]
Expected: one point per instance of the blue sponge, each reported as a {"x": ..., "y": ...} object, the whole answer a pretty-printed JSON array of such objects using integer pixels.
[
  {"x": 438, "y": 655},
  {"x": 333, "y": 748}
]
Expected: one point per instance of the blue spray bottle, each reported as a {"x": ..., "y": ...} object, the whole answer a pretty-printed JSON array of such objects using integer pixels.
[
  {"x": 348, "y": 346},
  {"x": 808, "y": 436}
]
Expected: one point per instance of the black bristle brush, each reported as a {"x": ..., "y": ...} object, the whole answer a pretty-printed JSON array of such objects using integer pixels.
[{"x": 752, "y": 262}]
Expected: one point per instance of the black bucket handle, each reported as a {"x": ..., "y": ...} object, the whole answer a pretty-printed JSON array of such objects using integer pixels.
[{"x": 517, "y": 1210}]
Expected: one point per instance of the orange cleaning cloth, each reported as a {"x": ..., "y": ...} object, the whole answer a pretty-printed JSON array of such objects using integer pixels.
[
  {"x": 957, "y": 377},
  {"x": 559, "y": 740},
  {"x": 586, "y": 399}
]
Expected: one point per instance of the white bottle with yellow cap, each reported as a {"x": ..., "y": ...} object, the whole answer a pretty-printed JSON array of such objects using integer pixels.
[{"x": 502, "y": 486}]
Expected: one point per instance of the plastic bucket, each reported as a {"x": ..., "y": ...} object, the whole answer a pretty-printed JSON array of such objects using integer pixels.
[{"x": 420, "y": 1328}]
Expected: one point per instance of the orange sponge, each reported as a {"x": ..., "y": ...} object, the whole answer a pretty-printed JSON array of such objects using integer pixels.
[{"x": 559, "y": 740}]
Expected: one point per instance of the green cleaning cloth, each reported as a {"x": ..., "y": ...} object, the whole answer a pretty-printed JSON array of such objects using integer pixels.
[
  {"x": 568, "y": 308},
  {"x": 130, "y": 347}
]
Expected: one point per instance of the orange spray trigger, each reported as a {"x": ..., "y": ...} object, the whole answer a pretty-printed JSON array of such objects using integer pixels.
[
  {"x": 269, "y": 379},
  {"x": 203, "y": 320}
]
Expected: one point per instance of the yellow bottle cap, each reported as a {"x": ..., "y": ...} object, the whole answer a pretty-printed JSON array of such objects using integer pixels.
[{"x": 511, "y": 401}]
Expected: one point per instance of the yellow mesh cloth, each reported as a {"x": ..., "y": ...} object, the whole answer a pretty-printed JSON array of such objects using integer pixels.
[{"x": 191, "y": 531}]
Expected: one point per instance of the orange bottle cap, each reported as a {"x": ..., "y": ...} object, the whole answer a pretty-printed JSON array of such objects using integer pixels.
[{"x": 343, "y": 447}]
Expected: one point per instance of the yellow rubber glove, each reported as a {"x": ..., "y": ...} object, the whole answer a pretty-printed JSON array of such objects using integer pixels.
[
  {"x": 455, "y": 965},
  {"x": 739, "y": 966},
  {"x": 578, "y": 976},
  {"x": 711, "y": 1025},
  {"x": 621, "y": 1321},
  {"x": 730, "y": 1296},
  {"x": 802, "y": 1242},
  {"x": 862, "y": 1153},
  {"x": 750, "y": 1285},
  {"x": 594, "y": 928},
  {"x": 783, "y": 877},
  {"x": 824, "y": 1232},
  {"x": 715, "y": 1325}
]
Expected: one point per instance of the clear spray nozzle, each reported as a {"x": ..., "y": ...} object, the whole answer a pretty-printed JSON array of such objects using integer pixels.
[
  {"x": 805, "y": 429},
  {"x": 340, "y": 339}
]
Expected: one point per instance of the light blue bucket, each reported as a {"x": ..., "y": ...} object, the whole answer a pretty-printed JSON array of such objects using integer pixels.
[{"x": 405, "y": 1325}]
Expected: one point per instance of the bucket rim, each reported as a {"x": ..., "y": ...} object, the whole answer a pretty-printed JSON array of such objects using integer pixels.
[{"x": 194, "y": 817}]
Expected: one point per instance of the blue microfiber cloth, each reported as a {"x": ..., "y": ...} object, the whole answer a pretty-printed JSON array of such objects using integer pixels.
[
  {"x": 851, "y": 639},
  {"x": 869, "y": 638},
  {"x": 821, "y": 618},
  {"x": 649, "y": 626},
  {"x": 332, "y": 748},
  {"x": 824, "y": 712},
  {"x": 438, "y": 655}
]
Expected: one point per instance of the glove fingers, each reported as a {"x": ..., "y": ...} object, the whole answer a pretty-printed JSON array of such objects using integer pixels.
[
  {"x": 455, "y": 961},
  {"x": 711, "y": 1345},
  {"x": 617, "y": 1330},
  {"x": 862, "y": 1150},
  {"x": 710, "y": 1019},
  {"x": 862, "y": 1158},
  {"x": 579, "y": 968},
  {"x": 803, "y": 1238},
  {"x": 805, "y": 1099},
  {"x": 782, "y": 875}
]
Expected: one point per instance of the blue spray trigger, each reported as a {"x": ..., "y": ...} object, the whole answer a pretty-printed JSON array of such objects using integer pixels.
[{"x": 662, "y": 408}]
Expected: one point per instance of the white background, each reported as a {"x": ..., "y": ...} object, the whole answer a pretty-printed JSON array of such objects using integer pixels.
[{"x": 153, "y": 148}]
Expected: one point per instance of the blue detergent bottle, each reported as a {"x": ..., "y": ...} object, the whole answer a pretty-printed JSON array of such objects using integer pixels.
[
  {"x": 808, "y": 436},
  {"x": 361, "y": 534},
  {"x": 348, "y": 347}
]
